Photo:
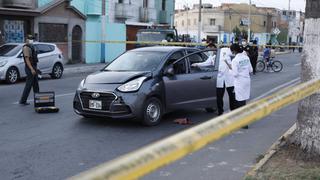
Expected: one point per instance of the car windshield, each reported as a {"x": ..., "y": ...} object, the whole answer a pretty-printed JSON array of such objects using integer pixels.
[
  {"x": 136, "y": 61},
  {"x": 9, "y": 50}
]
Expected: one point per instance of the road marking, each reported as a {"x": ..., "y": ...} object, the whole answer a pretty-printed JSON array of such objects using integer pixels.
[
  {"x": 298, "y": 64},
  {"x": 56, "y": 96},
  {"x": 290, "y": 83}
]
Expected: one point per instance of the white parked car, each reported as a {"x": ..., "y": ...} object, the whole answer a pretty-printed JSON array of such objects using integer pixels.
[{"x": 12, "y": 65}]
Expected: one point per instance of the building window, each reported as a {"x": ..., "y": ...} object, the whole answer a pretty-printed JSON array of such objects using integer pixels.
[
  {"x": 212, "y": 22},
  {"x": 145, "y": 3},
  {"x": 284, "y": 13},
  {"x": 275, "y": 24},
  {"x": 163, "y": 5},
  {"x": 182, "y": 23},
  {"x": 189, "y": 22},
  {"x": 264, "y": 23},
  {"x": 120, "y": 1}
]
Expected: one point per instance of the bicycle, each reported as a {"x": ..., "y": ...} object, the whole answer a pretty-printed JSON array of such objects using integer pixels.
[{"x": 275, "y": 65}]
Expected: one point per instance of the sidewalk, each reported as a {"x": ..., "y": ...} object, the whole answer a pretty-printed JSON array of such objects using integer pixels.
[{"x": 82, "y": 68}]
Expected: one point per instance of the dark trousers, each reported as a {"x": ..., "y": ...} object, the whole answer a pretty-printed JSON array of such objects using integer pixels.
[
  {"x": 220, "y": 94},
  {"x": 253, "y": 61},
  {"x": 31, "y": 82}
]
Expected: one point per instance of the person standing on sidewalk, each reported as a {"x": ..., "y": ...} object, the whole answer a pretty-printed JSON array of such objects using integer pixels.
[
  {"x": 240, "y": 68},
  {"x": 30, "y": 57}
]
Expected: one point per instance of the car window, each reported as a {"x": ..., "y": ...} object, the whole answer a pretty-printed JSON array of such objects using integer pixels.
[
  {"x": 43, "y": 48},
  {"x": 200, "y": 62},
  {"x": 136, "y": 61},
  {"x": 179, "y": 67},
  {"x": 9, "y": 50}
]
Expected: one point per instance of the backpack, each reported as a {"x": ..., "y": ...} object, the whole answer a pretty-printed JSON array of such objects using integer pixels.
[{"x": 34, "y": 53}]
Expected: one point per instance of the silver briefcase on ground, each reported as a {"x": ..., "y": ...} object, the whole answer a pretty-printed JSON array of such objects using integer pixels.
[{"x": 44, "y": 102}]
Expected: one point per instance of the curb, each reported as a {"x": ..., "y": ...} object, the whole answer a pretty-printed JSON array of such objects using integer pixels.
[
  {"x": 272, "y": 150},
  {"x": 83, "y": 69}
]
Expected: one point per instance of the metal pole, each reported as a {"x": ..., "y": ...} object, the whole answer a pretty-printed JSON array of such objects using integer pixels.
[
  {"x": 249, "y": 25},
  {"x": 199, "y": 23}
]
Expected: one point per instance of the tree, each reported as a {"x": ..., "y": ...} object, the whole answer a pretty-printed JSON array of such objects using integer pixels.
[{"x": 307, "y": 135}]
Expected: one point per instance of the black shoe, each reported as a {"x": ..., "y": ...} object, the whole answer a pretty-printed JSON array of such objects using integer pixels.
[
  {"x": 245, "y": 127},
  {"x": 24, "y": 103}
]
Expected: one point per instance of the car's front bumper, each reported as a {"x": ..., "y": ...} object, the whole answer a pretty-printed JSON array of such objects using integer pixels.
[{"x": 124, "y": 106}]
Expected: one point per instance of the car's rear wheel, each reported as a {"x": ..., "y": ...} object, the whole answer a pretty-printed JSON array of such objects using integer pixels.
[
  {"x": 12, "y": 75},
  {"x": 57, "y": 71},
  {"x": 152, "y": 112}
]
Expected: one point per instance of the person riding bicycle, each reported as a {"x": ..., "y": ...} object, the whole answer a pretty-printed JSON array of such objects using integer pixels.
[{"x": 267, "y": 54}]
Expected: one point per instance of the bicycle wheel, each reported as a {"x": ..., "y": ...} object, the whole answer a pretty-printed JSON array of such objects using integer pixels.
[
  {"x": 260, "y": 66},
  {"x": 276, "y": 66}
]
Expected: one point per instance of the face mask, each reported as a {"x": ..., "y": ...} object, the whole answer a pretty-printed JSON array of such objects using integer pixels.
[
  {"x": 244, "y": 43},
  {"x": 30, "y": 41}
]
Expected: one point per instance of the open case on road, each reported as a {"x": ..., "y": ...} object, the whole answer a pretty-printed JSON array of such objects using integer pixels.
[{"x": 44, "y": 102}]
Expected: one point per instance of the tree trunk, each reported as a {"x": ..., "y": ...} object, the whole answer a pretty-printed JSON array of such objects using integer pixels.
[{"x": 308, "y": 125}]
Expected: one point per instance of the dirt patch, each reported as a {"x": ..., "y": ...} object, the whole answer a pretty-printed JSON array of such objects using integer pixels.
[{"x": 289, "y": 163}]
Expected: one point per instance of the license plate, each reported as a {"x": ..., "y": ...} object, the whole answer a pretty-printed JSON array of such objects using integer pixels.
[{"x": 93, "y": 104}]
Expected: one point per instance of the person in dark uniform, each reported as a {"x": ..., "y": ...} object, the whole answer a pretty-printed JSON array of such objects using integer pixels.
[
  {"x": 30, "y": 57},
  {"x": 254, "y": 52}
]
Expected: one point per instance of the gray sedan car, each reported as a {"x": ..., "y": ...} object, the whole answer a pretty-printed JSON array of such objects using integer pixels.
[{"x": 147, "y": 82}]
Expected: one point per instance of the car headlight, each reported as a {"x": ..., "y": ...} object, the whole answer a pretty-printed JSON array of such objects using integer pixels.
[
  {"x": 133, "y": 85},
  {"x": 81, "y": 85},
  {"x": 3, "y": 63}
]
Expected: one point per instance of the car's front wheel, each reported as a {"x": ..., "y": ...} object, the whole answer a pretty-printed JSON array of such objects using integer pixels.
[
  {"x": 152, "y": 112},
  {"x": 57, "y": 71},
  {"x": 12, "y": 75}
]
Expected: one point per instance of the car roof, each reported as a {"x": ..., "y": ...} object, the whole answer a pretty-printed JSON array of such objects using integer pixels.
[
  {"x": 167, "y": 49},
  {"x": 33, "y": 43}
]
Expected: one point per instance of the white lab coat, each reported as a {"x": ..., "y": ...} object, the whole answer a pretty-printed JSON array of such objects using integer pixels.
[
  {"x": 225, "y": 77},
  {"x": 241, "y": 69},
  {"x": 209, "y": 62}
]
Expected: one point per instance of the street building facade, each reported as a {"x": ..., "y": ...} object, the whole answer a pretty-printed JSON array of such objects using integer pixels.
[
  {"x": 56, "y": 22},
  {"x": 79, "y": 27},
  {"x": 228, "y": 22}
]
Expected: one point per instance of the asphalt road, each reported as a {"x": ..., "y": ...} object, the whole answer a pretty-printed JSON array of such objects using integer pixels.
[{"x": 56, "y": 146}]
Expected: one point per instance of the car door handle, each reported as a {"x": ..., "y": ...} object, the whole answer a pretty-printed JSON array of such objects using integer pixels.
[{"x": 206, "y": 77}]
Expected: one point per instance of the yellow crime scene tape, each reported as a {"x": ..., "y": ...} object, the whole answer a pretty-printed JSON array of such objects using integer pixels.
[
  {"x": 145, "y": 160},
  {"x": 177, "y": 43}
]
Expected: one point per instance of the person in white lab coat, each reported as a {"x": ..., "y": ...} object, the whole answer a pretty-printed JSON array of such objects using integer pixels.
[
  {"x": 211, "y": 59},
  {"x": 225, "y": 80},
  {"x": 240, "y": 68}
]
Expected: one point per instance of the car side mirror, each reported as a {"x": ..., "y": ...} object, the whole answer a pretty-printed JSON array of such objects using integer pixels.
[{"x": 169, "y": 71}]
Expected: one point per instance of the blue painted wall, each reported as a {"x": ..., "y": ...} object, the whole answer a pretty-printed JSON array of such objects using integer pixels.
[
  {"x": 115, "y": 32},
  {"x": 93, "y": 33},
  {"x": 169, "y": 9},
  {"x": 43, "y": 2}
]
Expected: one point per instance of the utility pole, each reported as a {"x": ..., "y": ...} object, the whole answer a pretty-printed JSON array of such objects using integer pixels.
[
  {"x": 200, "y": 20},
  {"x": 103, "y": 32},
  {"x": 249, "y": 22},
  {"x": 289, "y": 8}
]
